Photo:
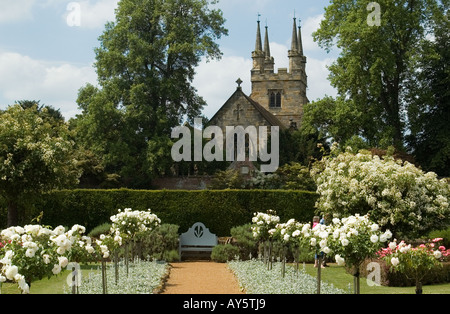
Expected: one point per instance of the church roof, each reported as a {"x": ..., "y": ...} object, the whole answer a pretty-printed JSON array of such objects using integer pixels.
[{"x": 269, "y": 117}]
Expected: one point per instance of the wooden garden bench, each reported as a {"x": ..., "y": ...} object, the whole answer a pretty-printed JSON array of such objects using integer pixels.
[{"x": 198, "y": 239}]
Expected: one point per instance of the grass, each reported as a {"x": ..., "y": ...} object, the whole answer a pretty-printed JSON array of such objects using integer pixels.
[
  {"x": 333, "y": 274},
  {"x": 341, "y": 279},
  {"x": 54, "y": 285}
]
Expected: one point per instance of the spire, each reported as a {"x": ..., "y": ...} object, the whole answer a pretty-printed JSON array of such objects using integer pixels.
[
  {"x": 269, "y": 62},
  {"x": 258, "y": 55},
  {"x": 258, "y": 38},
  {"x": 300, "y": 41},
  {"x": 294, "y": 45},
  {"x": 266, "y": 44}
]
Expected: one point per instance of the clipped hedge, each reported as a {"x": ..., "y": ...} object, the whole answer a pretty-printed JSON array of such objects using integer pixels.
[{"x": 218, "y": 210}]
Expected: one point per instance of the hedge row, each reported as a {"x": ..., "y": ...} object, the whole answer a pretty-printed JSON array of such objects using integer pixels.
[{"x": 218, "y": 210}]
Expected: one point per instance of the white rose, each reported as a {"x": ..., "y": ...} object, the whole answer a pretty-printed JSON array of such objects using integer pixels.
[
  {"x": 63, "y": 261},
  {"x": 30, "y": 253},
  {"x": 395, "y": 261},
  {"x": 374, "y": 238},
  {"x": 339, "y": 260},
  {"x": 46, "y": 258},
  {"x": 56, "y": 269},
  {"x": 437, "y": 254},
  {"x": 392, "y": 245},
  {"x": 11, "y": 271}
]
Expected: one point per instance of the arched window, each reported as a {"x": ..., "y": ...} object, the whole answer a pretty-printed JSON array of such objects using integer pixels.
[
  {"x": 272, "y": 99},
  {"x": 275, "y": 98},
  {"x": 278, "y": 100}
]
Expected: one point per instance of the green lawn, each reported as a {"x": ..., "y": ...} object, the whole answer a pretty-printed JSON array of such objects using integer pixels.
[
  {"x": 54, "y": 285},
  {"x": 333, "y": 274},
  {"x": 341, "y": 279}
]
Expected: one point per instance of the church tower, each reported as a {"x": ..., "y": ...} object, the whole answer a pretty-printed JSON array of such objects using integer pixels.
[{"x": 284, "y": 93}]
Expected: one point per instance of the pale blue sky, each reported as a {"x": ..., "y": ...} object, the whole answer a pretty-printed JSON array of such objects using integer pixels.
[{"x": 43, "y": 58}]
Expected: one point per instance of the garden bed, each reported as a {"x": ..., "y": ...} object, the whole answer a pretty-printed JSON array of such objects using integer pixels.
[
  {"x": 255, "y": 278},
  {"x": 143, "y": 278}
]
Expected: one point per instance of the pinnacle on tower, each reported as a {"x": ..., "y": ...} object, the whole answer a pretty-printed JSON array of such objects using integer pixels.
[
  {"x": 295, "y": 57},
  {"x": 300, "y": 41},
  {"x": 258, "y": 38},
  {"x": 266, "y": 44},
  {"x": 269, "y": 62},
  {"x": 294, "y": 44},
  {"x": 258, "y": 55}
]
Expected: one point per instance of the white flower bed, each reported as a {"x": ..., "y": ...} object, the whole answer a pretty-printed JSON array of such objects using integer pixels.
[
  {"x": 254, "y": 278},
  {"x": 143, "y": 278}
]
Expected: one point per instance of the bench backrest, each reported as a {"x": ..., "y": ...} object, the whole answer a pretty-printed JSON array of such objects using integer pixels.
[{"x": 198, "y": 235}]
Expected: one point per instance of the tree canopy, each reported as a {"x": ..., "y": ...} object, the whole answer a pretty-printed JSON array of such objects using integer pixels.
[
  {"x": 390, "y": 78},
  {"x": 145, "y": 65}
]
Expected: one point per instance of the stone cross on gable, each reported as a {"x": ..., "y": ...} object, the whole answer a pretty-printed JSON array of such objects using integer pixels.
[{"x": 238, "y": 111}]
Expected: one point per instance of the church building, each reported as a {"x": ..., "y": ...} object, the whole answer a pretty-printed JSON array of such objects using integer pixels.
[{"x": 277, "y": 98}]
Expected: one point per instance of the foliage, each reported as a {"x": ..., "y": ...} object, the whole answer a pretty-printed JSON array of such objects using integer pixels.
[
  {"x": 292, "y": 176},
  {"x": 444, "y": 234},
  {"x": 243, "y": 236},
  {"x": 36, "y": 155},
  {"x": 162, "y": 243},
  {"x": 355, "y": 239},
  {"x": 33, "y": 252},
  {"x": 254, "y": 278},
  {"x": 416, "y": 262},
  {"x": 133, "y": 225},
  {"x": 142, "y": 277},
  {"x": 429, "y": 98},
  {"x": 223, "y": 253},
  {"x": 219, "y": 210},
  {"x": 264, "y": 225},
  {"x": 145, "y": 65},
  {"x": 396, "y": 194},
  {"x": 375, "y": 62},
  {"x": 227, "y": 179}
]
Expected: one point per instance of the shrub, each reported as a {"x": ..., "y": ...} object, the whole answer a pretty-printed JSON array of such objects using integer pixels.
[
  {"x": 218, "y": 210},
  {"x": 397, "y": 195},
  {"x": 444, "y": 234},
  {"x": 99, "y": 230},
  {"x": 162, "y": 244},
  {"x": 223, "y": 253},
  {"x": 243, "y": 236}
]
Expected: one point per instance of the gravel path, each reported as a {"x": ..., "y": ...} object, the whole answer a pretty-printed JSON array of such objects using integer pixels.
[{"x": 201, "y": 278}]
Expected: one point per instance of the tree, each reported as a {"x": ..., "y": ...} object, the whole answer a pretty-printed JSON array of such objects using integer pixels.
[
  {"x": 429, "y": 110},
  {"x": 376, "y": 61},
  {"x": 36, "y": 155},
  {"x": 334, "y": 119},
  {"x": 145, "y": 65}
]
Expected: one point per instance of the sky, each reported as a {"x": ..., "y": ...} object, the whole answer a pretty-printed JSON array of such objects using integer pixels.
[{"x": 47, "y": 48}]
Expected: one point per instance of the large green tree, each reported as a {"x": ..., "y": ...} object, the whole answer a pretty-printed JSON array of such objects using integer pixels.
[
  {"x": 376, "y": 60},
  {"x": 145, "y": 65},
  {"x": 36, "y": 155},
  {"x": 429, "y": 110}
]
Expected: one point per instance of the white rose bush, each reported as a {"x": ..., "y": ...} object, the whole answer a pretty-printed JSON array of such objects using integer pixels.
[
  {"x": 34, "y": 252},
  {"x": 397, "y": 195},
  {"x": 350, "y": 240}
]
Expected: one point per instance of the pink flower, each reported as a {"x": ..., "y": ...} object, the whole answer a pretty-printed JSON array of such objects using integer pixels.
[
  {"x": 442, "y": 248},
  {"x": 437, "y": 239}
]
